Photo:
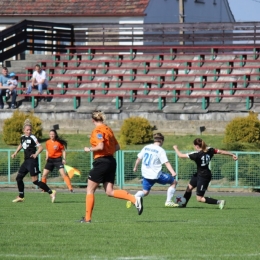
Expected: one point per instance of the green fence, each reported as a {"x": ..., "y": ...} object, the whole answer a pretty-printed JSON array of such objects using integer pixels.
[{"x": 227, "y": 173}]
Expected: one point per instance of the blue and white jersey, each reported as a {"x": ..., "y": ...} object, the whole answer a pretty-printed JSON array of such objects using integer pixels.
[{"x": 152, "y": 156}]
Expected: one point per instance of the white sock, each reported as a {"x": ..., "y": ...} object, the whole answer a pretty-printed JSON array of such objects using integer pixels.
[
  {"x": 170, "y": 193},
  {"x": 139, "y": 193}
]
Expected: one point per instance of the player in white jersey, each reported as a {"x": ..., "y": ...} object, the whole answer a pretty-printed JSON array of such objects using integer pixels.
[{"x": 153, "y": 156}]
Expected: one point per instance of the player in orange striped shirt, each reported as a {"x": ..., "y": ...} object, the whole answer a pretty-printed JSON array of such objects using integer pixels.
[
  {"x": 104, "y": 145},
  {"x": 56, "y": 157}
]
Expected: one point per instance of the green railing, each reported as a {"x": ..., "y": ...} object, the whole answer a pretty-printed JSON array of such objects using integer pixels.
[{"x": 227, "y": 173}]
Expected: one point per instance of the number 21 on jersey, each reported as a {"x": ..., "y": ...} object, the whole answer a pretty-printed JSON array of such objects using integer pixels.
[{"x": 147, "y": 159}]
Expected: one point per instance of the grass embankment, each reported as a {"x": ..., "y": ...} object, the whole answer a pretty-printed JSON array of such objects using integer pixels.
[{"x": 78, "y": 141}]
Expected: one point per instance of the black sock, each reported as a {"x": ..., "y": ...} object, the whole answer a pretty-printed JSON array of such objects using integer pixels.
[
  {"x": 187, "y": 196},
  {"x": 20, "y": 185},
  {"x": 21, "y": 194},
  {"x": 210, "y": 201},
  {"x": 43, "y": 186}
]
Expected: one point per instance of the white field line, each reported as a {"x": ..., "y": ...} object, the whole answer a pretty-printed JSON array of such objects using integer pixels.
[{"x": 184, "y": 257}]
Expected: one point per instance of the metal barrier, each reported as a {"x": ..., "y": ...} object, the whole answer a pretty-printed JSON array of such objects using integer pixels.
[
  {"x": 35, "y": 36},
  {"x": 243, "y": 173}
]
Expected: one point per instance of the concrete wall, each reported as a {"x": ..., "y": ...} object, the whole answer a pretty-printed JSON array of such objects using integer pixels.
[{"x": 75, "y": 122}]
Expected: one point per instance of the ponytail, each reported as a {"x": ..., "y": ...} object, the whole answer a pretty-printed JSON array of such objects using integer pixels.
[
  {"x": 27, "y": 122},
  {"x": 200, "y": 143}
]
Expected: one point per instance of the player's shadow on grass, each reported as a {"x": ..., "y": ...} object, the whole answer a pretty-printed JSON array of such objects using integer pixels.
[
  {"x": 143, "y": 221},
  {"x": 67, "y": 202},
  {"x": 194, "y": 207},
  {"x": 175, "y": 208},
  {"x": 160, "y": 221},
  {"x": 207, "y": 208}
]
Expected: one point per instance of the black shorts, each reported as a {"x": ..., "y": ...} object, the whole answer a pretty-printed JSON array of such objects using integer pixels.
[
  {"x": 201, "y": 184},
  {"x": 54, "y": 162},
  {"x": 104, "y": 170},
  {"x": 30, "y": 165}
]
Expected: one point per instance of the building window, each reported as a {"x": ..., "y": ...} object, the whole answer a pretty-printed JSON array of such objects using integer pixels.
[{"x": 200, "y": 1}]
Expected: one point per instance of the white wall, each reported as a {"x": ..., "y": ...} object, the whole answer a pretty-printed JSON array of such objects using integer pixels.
[{"x": 73, "y": 20}]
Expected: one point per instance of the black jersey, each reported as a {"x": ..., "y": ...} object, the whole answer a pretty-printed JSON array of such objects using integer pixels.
[
  {"x": 29, "y": 144},
  {"x": 202, "y": 160}
]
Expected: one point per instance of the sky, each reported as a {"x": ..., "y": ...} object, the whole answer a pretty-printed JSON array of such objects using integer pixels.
[{"x": 245, "y": 10}]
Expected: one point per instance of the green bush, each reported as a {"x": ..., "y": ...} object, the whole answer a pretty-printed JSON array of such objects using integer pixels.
[
  {"x": 13, "y": 127},
  {"x": 241, "y": 131},
  {"x": 136, "y": 130}
]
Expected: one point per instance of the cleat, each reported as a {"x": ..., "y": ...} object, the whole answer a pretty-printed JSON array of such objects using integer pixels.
[
  {"x": 222, "y": 203},
  {"x": 83, "y": 220},
  {"x": 128, "y": 204},
  {"x": 53, "y": 196},
  {"x": 72, "y": 191},
  {"x": 18, "y": 199},
  {"x": 139, "y": 205},
  {"x": 171, "y": 204}
]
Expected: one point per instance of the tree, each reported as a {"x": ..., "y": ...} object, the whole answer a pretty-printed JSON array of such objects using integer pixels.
[
  {"x": 13, "y": 127},
  {"x": 136, "y": 130},
  {"x": 243, "y": 130}
]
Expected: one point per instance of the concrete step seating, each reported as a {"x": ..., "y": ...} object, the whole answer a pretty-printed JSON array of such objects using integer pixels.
[{"x": 161, "y": 79}]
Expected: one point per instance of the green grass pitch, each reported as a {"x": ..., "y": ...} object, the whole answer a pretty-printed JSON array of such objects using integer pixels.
[{"x": 39, "y": 229}]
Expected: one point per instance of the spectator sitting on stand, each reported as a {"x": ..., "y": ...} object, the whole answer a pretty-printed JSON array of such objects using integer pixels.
[
  {"x": 38, "y": 81},
  {"x": 6, "y": 85},
  {"x": 11, "y": 82}
]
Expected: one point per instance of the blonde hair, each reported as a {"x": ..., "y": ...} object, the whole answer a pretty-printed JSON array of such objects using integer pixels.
[
  {"x": 98, "y": 116},
  {"x": 27, "y": 122}
]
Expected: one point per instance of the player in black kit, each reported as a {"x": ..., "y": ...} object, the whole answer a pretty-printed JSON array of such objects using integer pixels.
[
  {"x": 202, "y": 177},
  {"x": 32, "y": 148}
]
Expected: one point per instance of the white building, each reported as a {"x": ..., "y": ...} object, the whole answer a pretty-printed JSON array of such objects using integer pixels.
[{"x": 114, "y": 11}]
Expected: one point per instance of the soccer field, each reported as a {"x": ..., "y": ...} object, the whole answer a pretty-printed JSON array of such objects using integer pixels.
[{"x": 39, "y": 229}]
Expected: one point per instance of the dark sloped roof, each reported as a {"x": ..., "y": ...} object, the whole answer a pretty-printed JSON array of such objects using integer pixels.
[
  {"x": 230, "y": 9},
  {"x": 73, "y": 7}
]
